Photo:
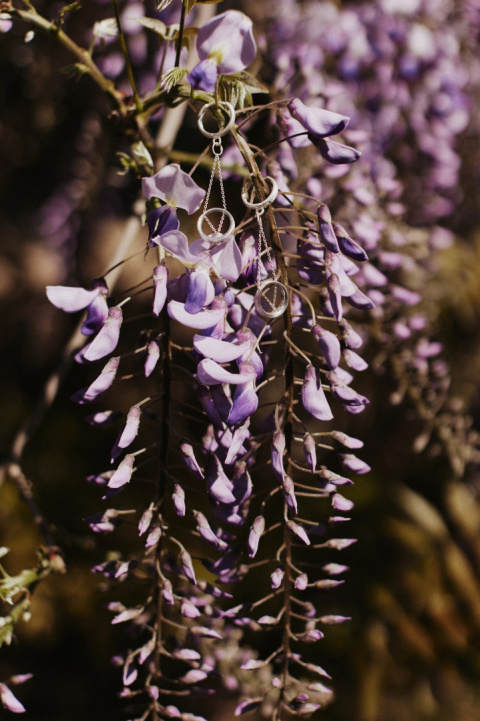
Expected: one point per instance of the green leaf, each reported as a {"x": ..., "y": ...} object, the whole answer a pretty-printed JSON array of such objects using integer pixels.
[
  {"x": 189, "y": 5},
  {"x": 162, "y": 4},
  {"x": 142, "y": 156},
  {"x": 152, "y": 24},
  {"x": 250, "y": 81},
  {"x": 171, "y": 78}
]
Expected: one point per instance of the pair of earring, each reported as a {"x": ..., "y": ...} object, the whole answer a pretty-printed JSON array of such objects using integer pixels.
[{"x": 271, "y": 298}]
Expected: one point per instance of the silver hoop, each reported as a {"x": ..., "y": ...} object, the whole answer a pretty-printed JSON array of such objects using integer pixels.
[
  {"x": 221, "y": 131},
  {"x": 275, "y": 310},
  {"x": 216, "y": 237},
  {"x": 263, "y": 203}
]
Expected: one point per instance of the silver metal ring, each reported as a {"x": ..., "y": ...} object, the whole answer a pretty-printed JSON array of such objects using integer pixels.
[
  {"x": 263, "y": 204},
  {"x": 260, "y": 298},
  {"x": 216, "y": 237},
  {"x": 221, "y": 131}
]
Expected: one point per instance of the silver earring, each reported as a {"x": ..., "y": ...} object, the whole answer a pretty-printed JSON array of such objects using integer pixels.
[
  {"x": 271, "y": 298},
  {"x": 205, "y": 226}
]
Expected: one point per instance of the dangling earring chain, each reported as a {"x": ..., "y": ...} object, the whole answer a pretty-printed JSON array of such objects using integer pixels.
[
  {"x": 216, "y": 236},
  {"x": 266, "y": 300}
]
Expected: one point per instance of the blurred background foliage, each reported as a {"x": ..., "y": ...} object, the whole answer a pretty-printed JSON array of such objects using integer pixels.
[{"x": 412, "y": 650}]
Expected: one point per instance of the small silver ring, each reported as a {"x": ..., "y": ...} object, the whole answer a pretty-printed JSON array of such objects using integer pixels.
[
  {"x": 221, "y": 131},
  {"x": 219, "y": 237},
  {"x": 263, "y": 203},
  {"x": 280, "y": 309}
]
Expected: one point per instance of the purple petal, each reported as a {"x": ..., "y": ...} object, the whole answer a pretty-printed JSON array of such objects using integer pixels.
[
  {"x": 340, "y": 503},
  {"x": 298, "y": 531},
  {"x": 360, "y": 300},
  {"x": 245, "y": 400},
  {"x": 348, "y": 246},
  {"x": 334, "y": 294},
  {"x": 289, "y": 494},
  {"x": 218, "y": 484},
  {"x": 160, "y": 221},
  {"x": 97, "y": 314},
  {"x": 239, "y": 436},
  {"x": 350, "y": 336},
  {"x": 200, "y": 321},
  {"x": 210, "y": 373},
  {"x": 178, "y": 497},
  {"x": 203, "y": 76},
  {"x": 130, "y": 431},
  {"x": 310, "y": 450},
  {"x": 189, "y": 457},
  {"x": 100, "y": 384},
  {"x": 319, "y": 122},
  {"x": 219, "y": 350},
  {"x": 70, "y": 300},
  {"x": 278, "y": 447},
  {"x": 123, "y": 473},
  {"x": 249, "y": 704},
  {"x": 327, "y": 234},
  {"x": 290, "y": 126},
  {"x": 228, "y": 40},
  {"x": 176, "y": 243},
  {"x": 160, "y": 280},
  {"x": 106, "y": 340},
  {"x": 187, "y": 566},
  {"x": 334, "y": 152},
  {"x": 329, "y": 345},
  {"x": 227, "y": 259},
  {"x": 175, "y": 187},
  {"x": 347, "y": 441},
  {"x": 204, "y": 395},
  {"x": 354, "y": 464},
  {"x": 200, "y": 291},
  {"x": 313, "y": 396},
  {"x": 354, "y": 361}
]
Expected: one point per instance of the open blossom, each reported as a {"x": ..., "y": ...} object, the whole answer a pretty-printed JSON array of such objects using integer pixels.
[
  {"x": 225, "y": 44},
  {"x": 176, "y": 188},
  {"x": 72, "y": 300}
]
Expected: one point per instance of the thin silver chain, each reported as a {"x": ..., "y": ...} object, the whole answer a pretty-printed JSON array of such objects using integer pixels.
[
  {"x": 262, "y": 240},
  {"x": 217, "y": 150}
]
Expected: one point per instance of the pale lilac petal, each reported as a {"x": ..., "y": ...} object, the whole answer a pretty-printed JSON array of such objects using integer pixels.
[
  {"x": 276, "y": 577},
  {"x": 10, "y": 701},
  {"x": 329, "y": 345},
  {"x": 256, "y": 531},
  {"x": 361, "y": 301},
  {"x": 227, "y": 259},
  {"x": 319, "y": 122},
  {"x": 187, "y": 566},
  {"x": 70, "y": 300},
  {"x": 340, "y": 503},
  {"x": 201, "y": 291},
  {"x": 334, "y": 152},
  {"x": 175, "y": 187},
  {"x": 354, "y": 361},
  {"x": 160, "y": 280},
  {"x": 210, "y": 373},
  {"x": 204, "y": 395},
  {"x": 228, "y": 40},
  {"x": 347, "y": 441},
  {"x": 106, "y": 340},
  {"x": 198, "y": 321},
  {"x": 313, "y": 396},
  {"x": 219, "y": 350},
  {"x": 249, "y": 704},
  {"x": 301, "y": 582},
  {"x": 176, "y": 243},
  {"x": 129, "y": 433},
  {"x": 289, "y": 494},
  {"x": 350, "y": 336},
  {"x": 153, "y": 355}
]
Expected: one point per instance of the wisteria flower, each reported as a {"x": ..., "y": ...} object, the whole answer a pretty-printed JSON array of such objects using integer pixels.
[
  {"x": 72, "y": 300},
  {"x": 176, "y": 188},
  {"x": 225, "y": 44}
]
